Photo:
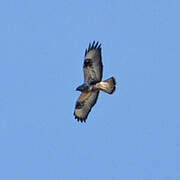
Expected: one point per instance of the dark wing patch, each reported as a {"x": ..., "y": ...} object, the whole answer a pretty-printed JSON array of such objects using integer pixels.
[
  {"x": 87, "y": 62},
  {"x": 84, "y": 105},
  {"x": 93, "y": 66}
]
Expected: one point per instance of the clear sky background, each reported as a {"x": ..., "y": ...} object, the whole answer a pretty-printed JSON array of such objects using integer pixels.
[{"x": 133, "y": 134}]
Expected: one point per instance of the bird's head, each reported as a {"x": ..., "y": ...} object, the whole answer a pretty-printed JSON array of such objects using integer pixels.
[{"x": 83, "y": 87}]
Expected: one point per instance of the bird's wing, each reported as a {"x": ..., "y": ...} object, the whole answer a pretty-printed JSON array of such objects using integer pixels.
[
  {"x": 84, "y": 104},
  {"x": 93, "y": 67}
]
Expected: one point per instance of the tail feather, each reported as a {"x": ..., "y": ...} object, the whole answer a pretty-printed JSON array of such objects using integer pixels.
[{"x": 108, "y": 86}]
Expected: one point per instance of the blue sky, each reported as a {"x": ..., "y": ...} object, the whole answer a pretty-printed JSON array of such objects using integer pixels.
[{"x": 132, "y": 134}]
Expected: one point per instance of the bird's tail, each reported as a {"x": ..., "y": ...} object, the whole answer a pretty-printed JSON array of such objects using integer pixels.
[{"x": 108, "y": 86}]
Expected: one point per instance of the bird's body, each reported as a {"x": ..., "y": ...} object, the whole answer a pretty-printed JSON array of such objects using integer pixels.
[{"x": 93, "y": 70}]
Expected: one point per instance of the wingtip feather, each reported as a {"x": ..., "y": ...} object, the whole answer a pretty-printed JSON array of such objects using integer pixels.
[
  {"x": 80, "y": 119},
  {"x": 94, "y": 45}
]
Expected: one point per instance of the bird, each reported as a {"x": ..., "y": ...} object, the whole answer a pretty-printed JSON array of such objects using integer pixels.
[{"x": 93, "y": 84}]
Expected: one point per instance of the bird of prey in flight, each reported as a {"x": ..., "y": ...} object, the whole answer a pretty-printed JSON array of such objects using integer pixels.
[{"x": 93, "y": 71}]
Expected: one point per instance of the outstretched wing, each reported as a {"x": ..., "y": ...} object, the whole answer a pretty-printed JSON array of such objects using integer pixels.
[
  {"x": 93, "y": 67},
  {"x": 84, "y": 104}
]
